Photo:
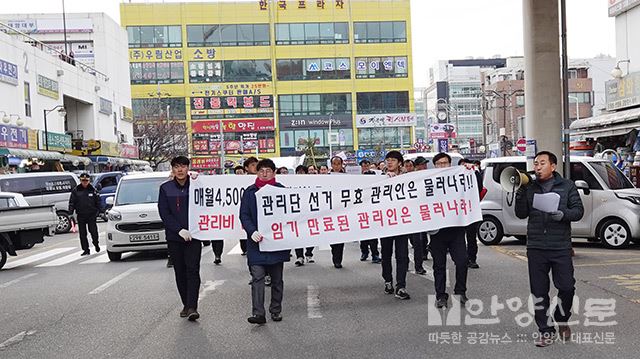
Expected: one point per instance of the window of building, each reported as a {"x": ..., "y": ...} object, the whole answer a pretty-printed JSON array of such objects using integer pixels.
[
  {"x": 520, "y": 101},
  {"x": 312, "y": 33},
  {"x": 297, "y": 138},
  {"x": 314, "y": 104},
  {"x": 154, "y": 108},
  {"x": 154, "y": 36},
  {"x": 583, "y": 97},
  {"x": 228, "y": 35},
  {"x": 27, "y": 100},
  {"x": 156, "y": 72},
  {"x": 383, "y": 102},
  {"x": 387, "y": 137},
  {"x": 381, "y": 67},
  {"x": 380, "y": 31}
]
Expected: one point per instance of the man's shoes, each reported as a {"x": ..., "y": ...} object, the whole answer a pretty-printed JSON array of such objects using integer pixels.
[
  {"x": 276, "y": 317},
  {"x": 564, "y": 332},
  {"x": 545, "y": 339},
  {"x": 299, "y": 262},
  {"x": 425, "y": 257},
  {"x": 183, "y": 312},
  {"x": 217, "y": 261},
  {"x": 376, "y": 259},
  {"x": 401, "y": 293},
  {"x": 421, "y": 271},
  {"x": 463, "y": 299},
  {"x": 310, "y": 259},
  {"x": 473, "y": 264},
  {"x": 85, "y": 253},
  {"x": 388, "y": 288},
  {"x": 364, "y": 256},
  {"x": 442, "y": 303},
  {"x": 169, "y": 263},
  {"x": 257, "y": 319},
  {"x": 337, "y": 265},
  {"x": 267, "y": 280},
  {"x": 192, "y": 315},
  {"x": 97, "y": 248},
  {"x": 243, "y": 253}
]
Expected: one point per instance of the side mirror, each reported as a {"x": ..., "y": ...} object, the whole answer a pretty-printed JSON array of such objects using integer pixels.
[
  {"x": 109, "y": 201},
  {"x": 99, "y": 187},
  {"x": 583, "y": 186}
]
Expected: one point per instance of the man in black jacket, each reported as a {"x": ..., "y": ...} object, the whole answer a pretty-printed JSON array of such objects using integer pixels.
[
  {"x": 549, "y": 244},
  {"x": 184, "y": 250},
  {"x": 85, "y": 201}
]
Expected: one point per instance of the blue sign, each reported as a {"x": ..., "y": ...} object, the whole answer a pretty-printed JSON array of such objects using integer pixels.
[
  {"x": 443, "y": 145},
  {"x": 8, "y": 72}
]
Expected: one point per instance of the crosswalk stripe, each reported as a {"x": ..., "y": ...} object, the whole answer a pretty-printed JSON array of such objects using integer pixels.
[
  {"x": 235, "y": 250},
  {"x": 62, "y": 260},
  {"x": 100, "y": 258},
  {"x": 112, "y": 281},
  {"x": 38, "y": 257}
]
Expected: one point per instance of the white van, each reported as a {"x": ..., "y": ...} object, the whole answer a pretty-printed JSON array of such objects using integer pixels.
[
  {"x": 134, "y": 223},
  {"x": 611, "y": 203}
]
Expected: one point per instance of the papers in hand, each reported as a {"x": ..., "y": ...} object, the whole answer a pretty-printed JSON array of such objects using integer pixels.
[{"x": 546, "y": 202}]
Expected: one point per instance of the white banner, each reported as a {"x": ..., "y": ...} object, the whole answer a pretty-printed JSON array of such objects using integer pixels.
[
  {"x": 215, "y": 200},
  {"x": 352, "y": 210},
  {"x": 391, "y": 120}
]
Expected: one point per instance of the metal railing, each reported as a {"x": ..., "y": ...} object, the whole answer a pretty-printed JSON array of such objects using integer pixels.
[{"x": 51, "y": 51}]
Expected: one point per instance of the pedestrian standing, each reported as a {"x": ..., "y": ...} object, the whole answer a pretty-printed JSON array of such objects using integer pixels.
[
  {"x": 549, "y": 245},
  {"x": 184, "y": 250},
  {"x": 337, "y": 250},
  {"x": 301, "y": 253},
  {"x": 262, "y": 263},
  {"x": 85, "y": 202},
  {"x": 249, "y": 166},
  {"x": 471, "y": 231},
  {"x": 416, "y": 239},
  {"x": 420, "y": 164},
  {"x": 369, "y": 244}
]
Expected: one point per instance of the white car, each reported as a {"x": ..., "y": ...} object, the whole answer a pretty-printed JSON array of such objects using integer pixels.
[{"x": 134, "y": 223}]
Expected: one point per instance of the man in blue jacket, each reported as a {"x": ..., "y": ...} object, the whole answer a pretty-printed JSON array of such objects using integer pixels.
[
  {"x": 185, "y": 251},
  {"x": 262, "y": 263}
]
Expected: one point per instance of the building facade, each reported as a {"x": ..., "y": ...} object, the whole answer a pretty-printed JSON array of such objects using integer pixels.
[{"x": 275, "y": 78}]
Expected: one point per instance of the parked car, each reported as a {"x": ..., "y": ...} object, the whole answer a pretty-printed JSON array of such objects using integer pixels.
[
  {"x": 106, "y": 184},
  {"x": 44, "y": 188},
  {"x": 134, "y": 223},
  {"x": 611, "y": 203},
  {"x": 22, "y": 226}
]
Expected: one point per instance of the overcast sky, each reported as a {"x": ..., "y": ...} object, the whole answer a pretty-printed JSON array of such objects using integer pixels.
[{"x": 442, "y": 29}]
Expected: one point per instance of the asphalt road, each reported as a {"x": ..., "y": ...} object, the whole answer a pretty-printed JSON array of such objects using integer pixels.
[{"x": 55, "y": 304}]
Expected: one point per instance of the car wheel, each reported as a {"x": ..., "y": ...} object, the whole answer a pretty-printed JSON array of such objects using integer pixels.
[
  {"x": 64, "y": 223},
  {"x": 615, "y": 234},
  {"x": 3, "y": 256},
  {"x": 522, "y": 239},
  {"x": 114, "y": 256},
  {"x": 490, "y": 231}
]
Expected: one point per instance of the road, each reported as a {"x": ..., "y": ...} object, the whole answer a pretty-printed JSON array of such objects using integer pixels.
[{"x": 56, "y": 304}]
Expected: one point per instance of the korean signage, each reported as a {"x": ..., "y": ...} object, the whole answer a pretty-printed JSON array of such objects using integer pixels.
[
  {"x": 205, "y": 162},
  {"x": 321, "y": 121},
  {"x": 48, "y": 87},
  {"x": 302, "y": 4},
  {"x": 14, "y": 137},
  {"x": 96, "y": 147},
  {"x": 231, "y": 89},
  {"x": 624, "y": 92},
  {"x": 129, "y": 151},
  {"x": 442, "y": 130},
  {"x": 127, "y": 113},
  {"x": 327, "y": 65},
  {"x": 8, "y": 72},
  {"x": 210, "y": 144},
  {"x": 155, "y": 54},
  {"x": 34, "y": 139},
  {"x": 203, "y": 107},
  {"x": 617, "y": 7},
  {"x": 106, "y": 106},
  {"x": 390, "y": 120},
  {"x": 51, "y": 26},
  {"x": 374, "y": 66},
  {"x": 82, "y": 51},
  {"x": 234, "y": 125},
  {"x": 56, "y": 142}
]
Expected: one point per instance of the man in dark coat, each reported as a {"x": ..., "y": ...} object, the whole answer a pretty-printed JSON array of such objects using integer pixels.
[
  {"x": 549, "y": 244},
  {"x": 85, "y": 201},
  {"x": 262, "y": 263}
]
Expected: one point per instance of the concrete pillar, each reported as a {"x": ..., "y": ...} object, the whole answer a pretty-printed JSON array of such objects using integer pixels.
[{"x": 543, "y": 99}]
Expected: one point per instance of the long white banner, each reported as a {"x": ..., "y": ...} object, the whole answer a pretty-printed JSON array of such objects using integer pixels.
[{"x": 414, "y": 202}]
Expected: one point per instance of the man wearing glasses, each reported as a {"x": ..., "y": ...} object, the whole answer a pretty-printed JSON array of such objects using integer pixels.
[{"x": 85, "y": 202}]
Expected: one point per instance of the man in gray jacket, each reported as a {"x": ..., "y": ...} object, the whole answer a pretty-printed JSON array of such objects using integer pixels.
[{"x": 549, "y": 245}]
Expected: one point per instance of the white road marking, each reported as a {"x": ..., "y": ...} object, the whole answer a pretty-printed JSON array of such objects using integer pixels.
[
  {"x": 63, "y": 260},
  {"x": 37, "y": 257},
  {"x": 16, "y": 339},
  {"x": 100, "y": 258},
  {"x": 12, "y": 282},
  {"x": 112, "y": 281},
  {"x": 313, "y": 302},
  {"x": 209, "y": 286}
]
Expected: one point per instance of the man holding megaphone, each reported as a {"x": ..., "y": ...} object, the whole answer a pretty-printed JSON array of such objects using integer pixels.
[{"x": 551, "y": 203}]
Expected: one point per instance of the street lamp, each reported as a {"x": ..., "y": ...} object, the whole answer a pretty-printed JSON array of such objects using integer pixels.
[
  {"x": 61, "y": 112},
  {"x": 617, "y": 72},
  {"x": 577, "y": 106}
]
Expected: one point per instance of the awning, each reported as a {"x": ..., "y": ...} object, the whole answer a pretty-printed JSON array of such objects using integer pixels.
[
  {"x": 609, "y": 124},
  {"x": 71, "y": 158},
  {"x": 42, "y": 155},
  {"x": 119, "y": 161}
]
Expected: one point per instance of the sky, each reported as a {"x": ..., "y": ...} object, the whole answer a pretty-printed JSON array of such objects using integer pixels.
[{"x": 442, "y": 29}]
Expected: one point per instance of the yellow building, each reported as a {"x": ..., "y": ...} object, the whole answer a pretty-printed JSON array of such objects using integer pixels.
[{"x": 275, "y": 74}]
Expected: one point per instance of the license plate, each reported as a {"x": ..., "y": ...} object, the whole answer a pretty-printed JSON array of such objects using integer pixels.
[{"x": 144, "y": 237}]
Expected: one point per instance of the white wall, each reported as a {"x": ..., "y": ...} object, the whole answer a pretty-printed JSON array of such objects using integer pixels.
[{"x": 628, "y": 37}]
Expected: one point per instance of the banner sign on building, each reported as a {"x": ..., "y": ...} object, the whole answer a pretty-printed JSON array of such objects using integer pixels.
[
  {"x": 442, "y": 130},
  {"x": 56, "y": 141},
  {"x": 199, "y": 163},
  {"x": 8, "y": 72},
  {"x": 319, "y": 121},
  {"x": 51, "y": 26},
  {"x": 302, "y": 4},
  {"x": 127, "y": 113},
  {"x": 106, "y": 106},
  {"x": 155, "y": 54},
  {"x": 14, "y": 137},
  {"x": 209, "y": 144},
  {"x": 203, "y": 107},
  {"x": 320, "y": 209},
  {"x": 129, "y": 151},
  {"x": 234, "y": 125},
  {"x": 617, "y": 7},
  {"x": 624, "y": 92},
  {"x": 231, "y": 89},
  {"x": 48, "y": 87},
  {"x": 388, "y": 120}
]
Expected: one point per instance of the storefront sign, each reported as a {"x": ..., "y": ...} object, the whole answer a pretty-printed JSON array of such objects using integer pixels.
[
  {"x": 14, "y": 137},
  {"x": 8, "y": 72},
  {"x": 155, "y": 54},
  {"x": 624, "y": 92},
  {"x": 82, "y": 51},
  {"x": 320, "y": 121},
  {"x": 393, "y": 120},
  {"x": 127, "y": 113},
  {"x": 231, "y": 89},
  {"x": 302, "y": 4},
  {"x": 210, "y": 144},
  {"x": 56, "y": 142},
  {"x": 198, "y": 163},
  {"x": 442, "y": 130},
  {"x": 33, "y": 139},
  {"x": 617, "y": 7},
  {"x": 52, "y": 26},
  {"x": 203, "y": 107},
  {"x": 95, "y": 148},
  {"x": 48, "y": 87},
  {"x": 234, "y": 125},
  {"x": 129, "y": 151},
  {"x": 106, "y": 106}
]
